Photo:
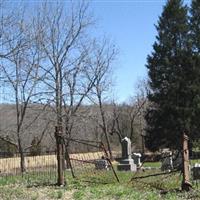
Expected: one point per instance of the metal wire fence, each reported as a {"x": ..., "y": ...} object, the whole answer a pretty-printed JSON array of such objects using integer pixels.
[
  {"x": 39, "y": 168},
  {"x": 85, "y": 160},
  {"x": 93, "y": 166},
  {"x": 164, "y": 170}
]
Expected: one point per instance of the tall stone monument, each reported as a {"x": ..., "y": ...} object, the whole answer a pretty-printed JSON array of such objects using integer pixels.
[{"x": 126, "y": 163}]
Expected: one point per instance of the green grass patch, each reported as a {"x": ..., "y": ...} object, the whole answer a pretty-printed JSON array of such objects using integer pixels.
[
  {"x": 90, "y": 186},
  {"x": 194, "y": 161},
  {"x": 56, "y": 194},
  {"x": 152, "y": 164}
]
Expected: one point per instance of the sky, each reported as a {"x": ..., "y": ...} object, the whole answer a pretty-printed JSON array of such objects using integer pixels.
[{"x": 131, "y": 25}]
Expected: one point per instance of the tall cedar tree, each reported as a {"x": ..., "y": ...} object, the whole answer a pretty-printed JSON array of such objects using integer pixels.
[
  {"x": 195, "y": 43},
  {"x": 170, "y": 71},
  {"x": 195, "y": 25}
]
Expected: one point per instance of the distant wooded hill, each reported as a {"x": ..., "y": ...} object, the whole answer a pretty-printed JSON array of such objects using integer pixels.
[{"x": 37, "y": 132}]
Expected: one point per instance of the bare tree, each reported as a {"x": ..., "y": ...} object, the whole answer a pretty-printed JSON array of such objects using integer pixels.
[
  {"x": 104, "y": 55},
  {"x": 7, "y": 22},
  {"x": 51, "y": 59},
  {"x": 128, "y": 118},
  {"x": 79, "y": 82},
  {"x": 62, "y": 34},
  {"x": 20, "y": 68},
  {"x": 65, "y": 45}
]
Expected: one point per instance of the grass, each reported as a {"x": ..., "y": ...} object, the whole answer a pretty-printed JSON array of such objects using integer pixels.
[
  {"x": 56, "y": 194},
  {"x": 152, "y": 164},
  {"x": 40, "y": 187},
  {"x": 195, "y": 161},
  {"x": 158, "y": 164},
  {"x": 12, "y": 165}
]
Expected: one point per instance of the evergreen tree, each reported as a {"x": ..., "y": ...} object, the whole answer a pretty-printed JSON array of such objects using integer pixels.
[
  {"x": 195, "y": 25},
  {"x": 195, "y": 44},
  {"x": 170, "y": 70}
]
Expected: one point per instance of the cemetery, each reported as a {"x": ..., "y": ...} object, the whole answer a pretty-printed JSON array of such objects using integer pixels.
[
  {"x": 130, "y": 172},
  {"x": 90, "y": 115}
]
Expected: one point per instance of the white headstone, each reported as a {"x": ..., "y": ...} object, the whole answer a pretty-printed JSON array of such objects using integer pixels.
[
  {"x": 126, "y": 148},
  {"x": 136, "y": 158},
  {"x": 126, "y": 163}
]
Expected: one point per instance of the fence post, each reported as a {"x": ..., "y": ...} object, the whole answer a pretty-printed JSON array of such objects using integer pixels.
[
  {"x": 67, "y": 158},
  {"x": 143, "y": 143},
  {"x": 60, "y": 154},
  {"x": 186, "y": 185}
]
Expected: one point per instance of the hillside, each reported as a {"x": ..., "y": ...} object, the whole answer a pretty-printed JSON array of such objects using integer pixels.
[{"x": 39, "y": 123}]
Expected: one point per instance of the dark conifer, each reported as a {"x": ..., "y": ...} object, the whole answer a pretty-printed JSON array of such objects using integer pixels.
[
  {"x": 170, "y": 70},
  {"x": 195, "y": 44},
  {"x": 195, "y": 25}
]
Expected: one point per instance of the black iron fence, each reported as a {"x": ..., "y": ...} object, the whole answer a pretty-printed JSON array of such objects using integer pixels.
[
  {"x": 40, "y": 168},
  {"x": 92, "y": 165}
]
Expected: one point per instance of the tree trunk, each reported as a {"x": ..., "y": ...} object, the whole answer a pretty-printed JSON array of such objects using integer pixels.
[
  {"x": 186, "y": 185},
  {"x": 22, "y": 162},
  {"x": 108, "y": 144},
  {"x": 105, "y": 126},
  {"x": 60, "y": 155},
  {"x": 22, "y": 158},
  {"x": 59, "y": 127}
]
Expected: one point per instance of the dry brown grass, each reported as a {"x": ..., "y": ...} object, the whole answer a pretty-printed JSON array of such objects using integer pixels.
[{"x": 12, "y": 165}]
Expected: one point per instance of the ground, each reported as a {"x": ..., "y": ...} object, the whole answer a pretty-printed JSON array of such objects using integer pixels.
[{"x": 92, "y": 187}]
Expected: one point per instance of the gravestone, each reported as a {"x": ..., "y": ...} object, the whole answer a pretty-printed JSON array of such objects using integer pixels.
[
  {"x": 136, "y": 158},
  {"x": 196, "y": 171},
  {"x": 102, "y": 164},
  {"x": 126, "y": 163},
  {"x": 167, "y": 163},
  {"x": 177, "y": 160}
]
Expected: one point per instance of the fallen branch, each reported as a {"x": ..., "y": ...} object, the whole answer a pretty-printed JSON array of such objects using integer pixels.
[{"x": 158, "y": 174}]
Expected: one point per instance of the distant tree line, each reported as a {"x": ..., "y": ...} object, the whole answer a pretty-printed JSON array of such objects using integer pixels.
[{"x": 122, "y": 120}]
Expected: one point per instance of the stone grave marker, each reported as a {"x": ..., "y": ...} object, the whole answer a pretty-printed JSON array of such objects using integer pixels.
[
  {"x": 102, "y": 164},
  {"x": 196, "y": 171},
  {"x": 136, "y": 158},
  {"x": 167, "y": 163},
  {"x": 177, "y": 160},
  {"x": 126, "y": 163}
]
